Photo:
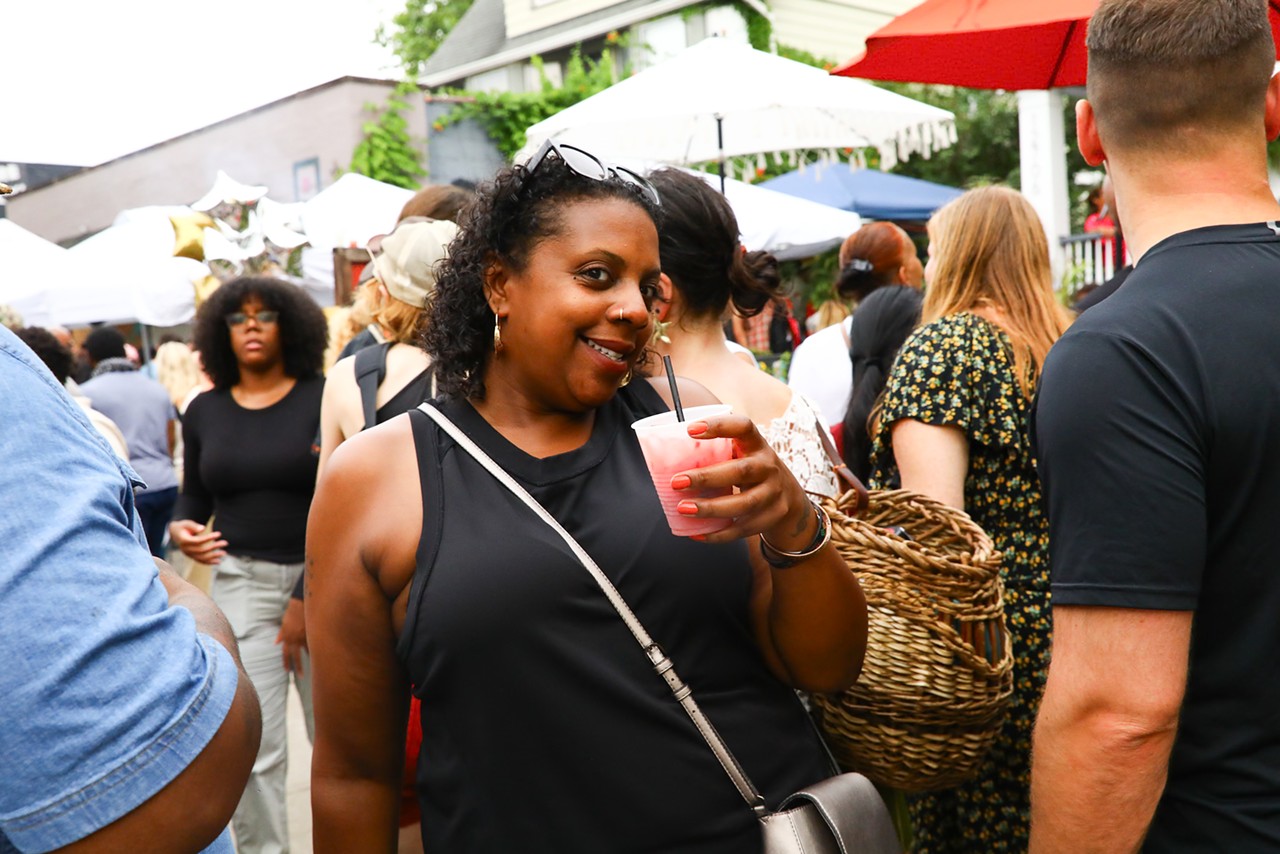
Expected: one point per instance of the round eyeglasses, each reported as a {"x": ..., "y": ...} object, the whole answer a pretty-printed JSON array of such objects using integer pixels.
[{"x": 263, "y": 318}]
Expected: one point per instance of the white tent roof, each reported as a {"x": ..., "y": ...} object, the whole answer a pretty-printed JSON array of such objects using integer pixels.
[
  {"x": 787, "y": 226},
  {"x": 347, "y": 213},
  {"x": 136, "y": 276},
  {"x": 27, "y": 262}
]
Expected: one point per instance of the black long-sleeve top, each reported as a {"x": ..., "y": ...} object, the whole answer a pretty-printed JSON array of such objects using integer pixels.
[{"x": 254, "y": 469}]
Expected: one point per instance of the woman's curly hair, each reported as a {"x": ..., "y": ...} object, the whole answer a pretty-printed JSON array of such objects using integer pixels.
[
  {"x": 508, "y": 218},
  {"x": 304, "y": 333}
]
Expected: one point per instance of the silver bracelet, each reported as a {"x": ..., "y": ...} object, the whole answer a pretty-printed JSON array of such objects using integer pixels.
[{"x": 782, "y": 559}]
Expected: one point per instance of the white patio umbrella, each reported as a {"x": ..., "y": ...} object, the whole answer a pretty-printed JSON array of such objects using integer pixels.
[{"x": 721, "y": 99}]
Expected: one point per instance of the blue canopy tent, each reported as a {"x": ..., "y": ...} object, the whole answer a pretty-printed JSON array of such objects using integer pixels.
[{"x": 870, "y": 193}]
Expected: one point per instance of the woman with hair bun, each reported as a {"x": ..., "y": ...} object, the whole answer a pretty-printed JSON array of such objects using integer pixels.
[
  {"x": 704, "y": 270},
  {"x": 876, "y": 255}
]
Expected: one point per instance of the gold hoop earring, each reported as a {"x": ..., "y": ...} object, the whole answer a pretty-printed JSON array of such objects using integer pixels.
[
  {"x": 497, "y": 334},
  {"x": 626, "y": 378}
]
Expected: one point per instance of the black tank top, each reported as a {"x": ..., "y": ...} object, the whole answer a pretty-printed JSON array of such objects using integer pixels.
[
  {"x": 407, "y": 398},
  {"x": 544, "y": 727}
]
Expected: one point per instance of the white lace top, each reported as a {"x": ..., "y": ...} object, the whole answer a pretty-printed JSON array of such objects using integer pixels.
[{"x": 794, "y": 438}]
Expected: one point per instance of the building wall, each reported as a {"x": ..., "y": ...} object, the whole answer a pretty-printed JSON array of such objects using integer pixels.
[
  {"x": 833, "y": 29},
  {"x": 525, "y": 16},
  {"x": 271, "y": 146}
]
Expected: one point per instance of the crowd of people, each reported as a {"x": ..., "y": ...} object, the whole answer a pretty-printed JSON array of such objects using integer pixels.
[{"x": 466, "y": 684}]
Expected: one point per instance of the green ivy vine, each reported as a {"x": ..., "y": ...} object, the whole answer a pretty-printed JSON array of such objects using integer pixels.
[
  {"x": 387, "y": 152},
  {"x": 506, "y": 116}
]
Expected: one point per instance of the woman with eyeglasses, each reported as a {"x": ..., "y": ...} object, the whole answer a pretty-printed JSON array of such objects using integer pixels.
[
  {"x": 545, "y": 727},
  {"x": 249, "y": 465}
]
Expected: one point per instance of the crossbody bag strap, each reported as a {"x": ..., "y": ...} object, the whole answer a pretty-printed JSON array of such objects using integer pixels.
[
  {"x": 843, "y": 473},
  {"x": 656, "y": 655}
]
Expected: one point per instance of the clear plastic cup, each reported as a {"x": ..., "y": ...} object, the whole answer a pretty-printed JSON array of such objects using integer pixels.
[{"x": 669, "y": 449}]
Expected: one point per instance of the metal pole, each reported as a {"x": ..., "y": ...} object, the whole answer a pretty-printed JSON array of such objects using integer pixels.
[
  {"x": 720, "y": 144},
  {"x": 146, "y": 342}
]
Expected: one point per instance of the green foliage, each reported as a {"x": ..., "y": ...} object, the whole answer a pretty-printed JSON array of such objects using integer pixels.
[
  {"x": 811, "y": 281},
  {"x": 420, "y": 29},
  {"x": 506, "y": 116},
  {"x": 987, "y": 130},
  {"x": 759, "y": 30},
  {"x": 794, "y": 53},
  {"x": 387, "y": 152}
]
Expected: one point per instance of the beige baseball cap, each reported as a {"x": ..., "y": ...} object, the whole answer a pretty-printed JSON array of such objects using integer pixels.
[{"x": 405, "y": 260}]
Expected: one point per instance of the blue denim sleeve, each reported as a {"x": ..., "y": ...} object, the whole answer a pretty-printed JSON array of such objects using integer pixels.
[{"x": 106, "y": 693}]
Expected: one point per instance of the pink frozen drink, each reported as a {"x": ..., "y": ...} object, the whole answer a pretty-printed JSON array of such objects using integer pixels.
[{"x": 669, "y": 449}]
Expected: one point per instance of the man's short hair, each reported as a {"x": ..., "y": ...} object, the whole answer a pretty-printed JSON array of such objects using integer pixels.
[
  {"x": 1166, "y": 74},
  {"x": 104, "y": 343},
  {"x": 49, "y": 349}
]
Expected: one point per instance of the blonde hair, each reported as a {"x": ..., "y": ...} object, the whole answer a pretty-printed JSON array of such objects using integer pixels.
[
  {"x": 340, "y": 333},
  {"x": 177, "y": 369},
  {"x": 402, "y": 322},
  {"x": 990, "y": 251},
  {"x": 830, "y": 313}
]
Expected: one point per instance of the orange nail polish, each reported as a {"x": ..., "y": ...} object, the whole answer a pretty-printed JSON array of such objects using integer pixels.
[
  {"x": 697, "y": 428},
  {"x": 687, "y": 508},
  {"x": 681, "y": 481}
]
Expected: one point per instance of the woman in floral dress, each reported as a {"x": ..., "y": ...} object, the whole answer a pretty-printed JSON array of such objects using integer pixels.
[{"x": 954, "y": 426}]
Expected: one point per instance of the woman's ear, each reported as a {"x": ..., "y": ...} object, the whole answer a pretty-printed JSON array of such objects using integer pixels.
[
  {"x": 496, "y": 279},
  {"x": 662, "y": 305}
]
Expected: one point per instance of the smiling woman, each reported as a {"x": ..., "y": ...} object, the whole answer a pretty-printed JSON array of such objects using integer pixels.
[{"x": 544, "y": 726}]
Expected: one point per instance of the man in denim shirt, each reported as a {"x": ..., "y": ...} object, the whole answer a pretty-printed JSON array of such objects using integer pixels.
[{"x": 125, "y": 721}]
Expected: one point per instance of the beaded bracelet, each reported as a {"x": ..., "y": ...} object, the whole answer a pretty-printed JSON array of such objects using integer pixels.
[{"x": 781, "y": 559}]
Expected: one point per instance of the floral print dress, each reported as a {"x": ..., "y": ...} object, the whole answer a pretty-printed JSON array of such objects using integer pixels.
[{"x": 958, "y": 371}]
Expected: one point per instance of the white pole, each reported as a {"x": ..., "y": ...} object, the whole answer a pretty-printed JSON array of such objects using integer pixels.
[{"x": 1044, "y": 166}]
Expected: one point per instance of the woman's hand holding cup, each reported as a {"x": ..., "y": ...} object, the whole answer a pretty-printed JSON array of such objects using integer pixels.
[{"x": 768, "y": 499}]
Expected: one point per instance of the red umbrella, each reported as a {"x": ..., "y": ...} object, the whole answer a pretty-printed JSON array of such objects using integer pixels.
[{"x": 986, "y": 44}]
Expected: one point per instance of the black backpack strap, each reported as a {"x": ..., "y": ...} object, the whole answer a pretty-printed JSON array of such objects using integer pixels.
[{"x": 371, "y": 370}]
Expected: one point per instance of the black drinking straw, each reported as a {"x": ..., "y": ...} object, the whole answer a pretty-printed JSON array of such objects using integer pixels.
[{"x": 675, "y": 391}]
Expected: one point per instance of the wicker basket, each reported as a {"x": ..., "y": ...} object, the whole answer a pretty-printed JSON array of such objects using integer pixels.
[{"x": 938, "y": 673}]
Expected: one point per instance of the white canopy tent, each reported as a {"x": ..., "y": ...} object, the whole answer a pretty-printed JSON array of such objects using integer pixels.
[
  {"x": 721, "y": 99},
  {"x": 27, "y": 263},
  {"x": 347, "y": 213},
  {"x": 787, "y": 226},
  {"x": 135, "y": 274}
]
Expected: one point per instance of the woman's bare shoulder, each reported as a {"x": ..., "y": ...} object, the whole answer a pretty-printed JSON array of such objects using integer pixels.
[
  {"x": 767, "y": 396},
  {"x": 377, "y": 452}
]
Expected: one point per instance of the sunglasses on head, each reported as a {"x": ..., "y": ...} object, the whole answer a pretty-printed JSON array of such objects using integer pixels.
[
  {"x": 587, "y": 165},
  {"x": 264, "y": 317}
]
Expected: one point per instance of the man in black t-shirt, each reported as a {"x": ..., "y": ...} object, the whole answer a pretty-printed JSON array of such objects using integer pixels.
[{"x": 1163, "y": 482}]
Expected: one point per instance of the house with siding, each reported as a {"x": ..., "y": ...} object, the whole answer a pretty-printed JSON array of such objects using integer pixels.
[{"x": 490, "y": 48}]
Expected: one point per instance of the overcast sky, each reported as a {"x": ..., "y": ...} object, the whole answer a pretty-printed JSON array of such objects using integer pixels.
[{"x": 85, "y": 81}]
